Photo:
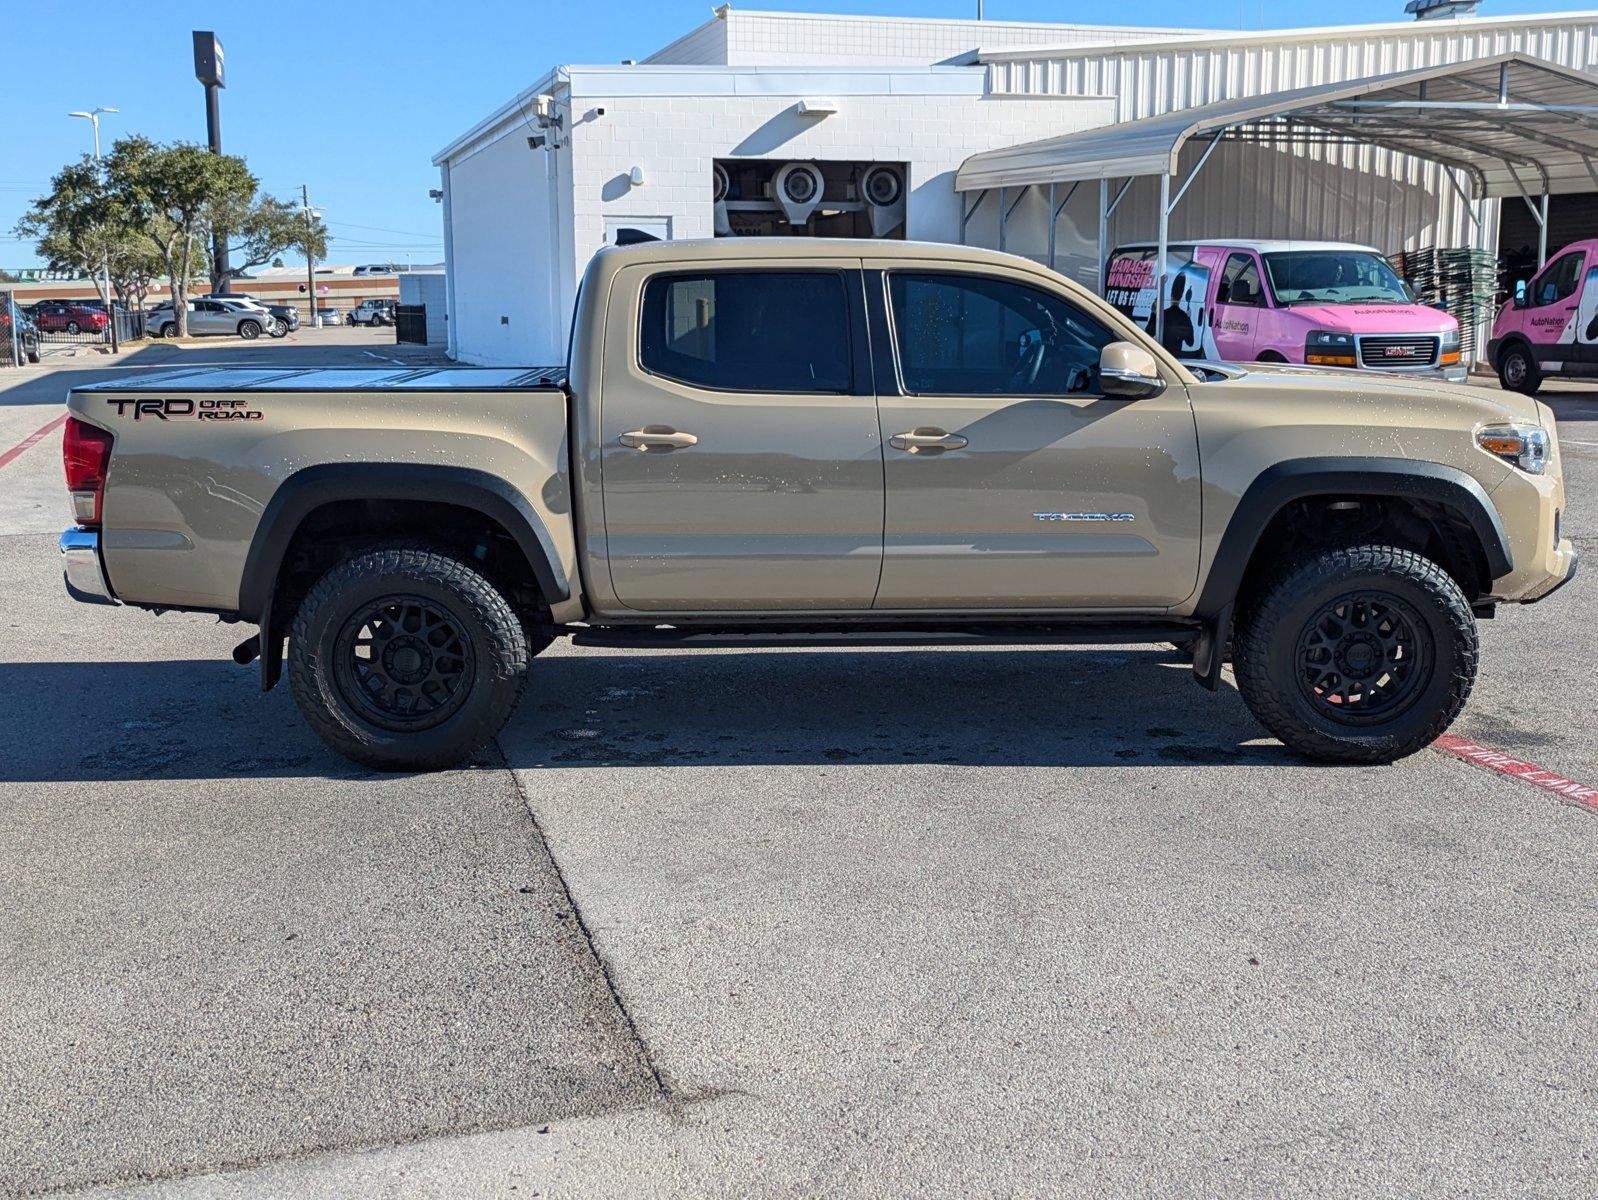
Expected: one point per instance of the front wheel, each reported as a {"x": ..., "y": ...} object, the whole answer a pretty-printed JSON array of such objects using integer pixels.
[
  {"x": 278, "y": 329},
  {"x": 72, "y": 327},
  {"x": 1518, "y": 370},
  {"x": 249, "y": 330},
  {"x": 169, "y": 330},
  {"x": 1357, "y": 655},
  {"x": 404, "y": 658}
]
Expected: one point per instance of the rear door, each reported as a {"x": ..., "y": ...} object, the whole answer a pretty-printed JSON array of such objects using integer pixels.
[
  {"x": 740, "y": 458},
  {"x": 1013, "y": 482}
]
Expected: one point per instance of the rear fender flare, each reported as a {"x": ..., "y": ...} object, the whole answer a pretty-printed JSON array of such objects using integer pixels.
[{"x": 307, "y": 490}]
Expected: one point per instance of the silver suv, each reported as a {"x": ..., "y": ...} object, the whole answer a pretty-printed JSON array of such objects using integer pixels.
[{"x": 207, "y": 317}]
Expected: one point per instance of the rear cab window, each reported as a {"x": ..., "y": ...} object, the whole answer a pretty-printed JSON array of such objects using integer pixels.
[{"x": 748, "y": 331}]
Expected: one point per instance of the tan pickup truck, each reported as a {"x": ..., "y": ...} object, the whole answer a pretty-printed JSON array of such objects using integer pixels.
[{"x": 791, "y": 439}]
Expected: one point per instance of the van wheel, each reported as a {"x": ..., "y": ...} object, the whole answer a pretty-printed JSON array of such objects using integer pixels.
[
  {"x": 405, "y": 658},
  {"x": 1358, "y": 655},
  {"x": 1518, "y": 370}
]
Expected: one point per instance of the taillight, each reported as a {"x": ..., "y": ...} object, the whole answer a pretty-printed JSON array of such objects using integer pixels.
[{"x": 86, "y": 454}]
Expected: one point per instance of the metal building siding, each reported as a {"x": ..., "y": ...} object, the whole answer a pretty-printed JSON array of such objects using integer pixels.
[{"x": 1389, "y": 200}]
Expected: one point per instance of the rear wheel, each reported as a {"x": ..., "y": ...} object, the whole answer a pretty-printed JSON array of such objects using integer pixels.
[
  {"x": 404, "y": 658},
  {"x": 1358, "y": 655},
  {"x": 1518, "y": 370}
]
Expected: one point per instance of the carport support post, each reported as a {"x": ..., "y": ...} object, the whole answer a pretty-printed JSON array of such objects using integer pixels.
[
  {"x": 1159, "y": 257},
  {"x": 1542, "y": 234},
  {"x": 1104, "y": 232}
]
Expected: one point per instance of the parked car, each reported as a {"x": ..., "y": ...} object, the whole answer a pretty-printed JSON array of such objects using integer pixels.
[
  {"x": 1005, "y": 455},
  {"x": 1550, "y": 325},
  {"x": 27, "y": 336},
  {"x": 373, "y": 312},
  {"x": 1326, "y": 304},
  {"x": 286, "y": 315},
  {"x": 330, "y": 316},
  {"x": 208, "y": 317},
  {"x": 70, "y": 318}
]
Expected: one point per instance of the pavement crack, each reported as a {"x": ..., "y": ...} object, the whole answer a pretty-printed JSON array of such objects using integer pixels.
[{"x": 667, "y": 1093}]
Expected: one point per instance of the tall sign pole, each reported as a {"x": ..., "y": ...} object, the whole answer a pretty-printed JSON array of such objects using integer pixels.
[{"x": 208, "y": 70}]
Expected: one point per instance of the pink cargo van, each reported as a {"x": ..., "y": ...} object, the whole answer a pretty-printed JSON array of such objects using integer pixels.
[
  {"x": 1327, "y": 304},
  {"x": 1550, "y": 327}
]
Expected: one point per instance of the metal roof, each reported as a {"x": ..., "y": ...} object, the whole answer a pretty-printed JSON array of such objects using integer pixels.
[{"x": 1513, "y": 123}]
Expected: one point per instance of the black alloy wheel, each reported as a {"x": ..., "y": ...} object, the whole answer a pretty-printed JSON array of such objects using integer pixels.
[
  {"x": 405, "y": 663},
  {"x": 1362, "y": 657}
]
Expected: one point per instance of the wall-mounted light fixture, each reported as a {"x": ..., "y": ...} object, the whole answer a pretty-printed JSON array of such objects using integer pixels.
[
  {"x": 635, "y": 177},
  {"x": 816, "y": 108}
]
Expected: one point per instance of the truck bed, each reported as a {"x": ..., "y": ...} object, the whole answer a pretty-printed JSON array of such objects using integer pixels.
[{"x": 341, "y": 379}]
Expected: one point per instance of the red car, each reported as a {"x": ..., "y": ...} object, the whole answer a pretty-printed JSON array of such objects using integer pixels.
[{"x": 70, "y": 318}]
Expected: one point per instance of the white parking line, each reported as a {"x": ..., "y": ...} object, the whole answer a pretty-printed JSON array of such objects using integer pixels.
[{"x": 383, "y": 358}]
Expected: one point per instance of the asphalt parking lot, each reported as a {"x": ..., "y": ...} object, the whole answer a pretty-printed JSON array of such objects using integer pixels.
[{"x": 943, "y": 922}]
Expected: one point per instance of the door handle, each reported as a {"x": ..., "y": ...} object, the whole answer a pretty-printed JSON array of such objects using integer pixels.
[
  {"x": 657, "y": 437},
  {"x": 926, "y": 439}
]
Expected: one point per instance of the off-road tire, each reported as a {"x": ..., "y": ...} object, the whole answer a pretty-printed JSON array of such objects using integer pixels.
[
  {"x": 1518, "y": 370},
  {"x": 1278, "y": 615},
  {"x": 498, "y": 647}
]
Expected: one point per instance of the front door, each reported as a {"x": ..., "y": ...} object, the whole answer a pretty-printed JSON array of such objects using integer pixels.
[
  {"x": 1551, "y": 322},
  {"x": 740, "y": 455},
  {"x": 1239, "y": 308},
  {"x": 1012, "y": 480}
]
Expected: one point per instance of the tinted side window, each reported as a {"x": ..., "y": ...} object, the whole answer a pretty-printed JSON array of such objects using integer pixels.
[
  {"x": 970, "y": 335},
  {"x": 748, "y": 331},
  {"x": 1558, "y": 282},
  {"x": 1241, "y": 282}
]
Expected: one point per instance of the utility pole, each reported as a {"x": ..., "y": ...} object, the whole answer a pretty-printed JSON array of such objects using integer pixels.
[
  {"x": 93, "y": 117},
  {"x": 208, "y": 70},
  {"x": 310, "y": 273}
]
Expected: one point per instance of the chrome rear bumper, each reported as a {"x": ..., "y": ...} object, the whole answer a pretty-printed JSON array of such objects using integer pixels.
[{"x": 81, "y": 565}]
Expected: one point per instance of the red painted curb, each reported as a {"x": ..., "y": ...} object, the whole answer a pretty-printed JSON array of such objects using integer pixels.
[
  {"x": 1568, "y": 790},
  {"x": 32, "y": 440}
]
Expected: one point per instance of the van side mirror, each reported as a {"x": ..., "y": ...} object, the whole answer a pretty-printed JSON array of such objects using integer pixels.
[
  {"x": 1129, "y": 370},
  {"x": 1520, "y": 293}
]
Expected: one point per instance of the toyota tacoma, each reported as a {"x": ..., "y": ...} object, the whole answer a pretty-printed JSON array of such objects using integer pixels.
[{"x": 781, "y": 440}]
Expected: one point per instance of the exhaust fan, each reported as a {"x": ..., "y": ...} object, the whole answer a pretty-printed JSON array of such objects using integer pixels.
[
  {"x": 882, "y": 188},
  {"x": 719, "y": 190},
  {"x": 798, "y": 187}
]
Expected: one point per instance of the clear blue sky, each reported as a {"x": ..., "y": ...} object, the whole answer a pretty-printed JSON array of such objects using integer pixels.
[{"x": 353, "y": 99}]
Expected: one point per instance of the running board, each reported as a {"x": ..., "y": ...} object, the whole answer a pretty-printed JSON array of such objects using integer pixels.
[{"x": 1080, "y": 633}]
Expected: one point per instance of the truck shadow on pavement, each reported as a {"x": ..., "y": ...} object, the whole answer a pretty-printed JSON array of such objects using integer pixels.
[
  {"x": 206, "y": 719},
  {"x": 1116, "y": 706}
]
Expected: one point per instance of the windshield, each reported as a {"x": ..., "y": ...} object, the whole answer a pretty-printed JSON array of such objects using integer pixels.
[{"x": 1334, "y": 277}]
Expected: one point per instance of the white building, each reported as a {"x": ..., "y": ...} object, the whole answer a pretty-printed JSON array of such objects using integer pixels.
[{"x": 694, "y": 140}]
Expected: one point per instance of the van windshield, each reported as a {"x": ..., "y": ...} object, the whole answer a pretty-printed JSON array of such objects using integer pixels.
[{"x": 1334, "y": 277}]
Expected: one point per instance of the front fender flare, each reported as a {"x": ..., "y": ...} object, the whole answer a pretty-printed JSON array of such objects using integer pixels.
[{"x": 1302, "y": 478}]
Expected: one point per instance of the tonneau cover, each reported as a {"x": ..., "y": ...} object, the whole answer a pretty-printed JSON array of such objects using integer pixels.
[{"x": 340, "y": 379}]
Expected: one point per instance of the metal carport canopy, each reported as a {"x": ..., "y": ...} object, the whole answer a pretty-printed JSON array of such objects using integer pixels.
[{"x": 1515, "y": 124}]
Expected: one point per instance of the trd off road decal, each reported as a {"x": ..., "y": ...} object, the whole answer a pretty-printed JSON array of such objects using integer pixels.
[{"x": 183, "y": 408}]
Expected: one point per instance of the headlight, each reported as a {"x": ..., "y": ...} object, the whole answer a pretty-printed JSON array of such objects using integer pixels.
[
  {"x": 1327, "y": 348},
  {"x": 1450, "y": 339},
  {"x": 1524, "y": 445}
]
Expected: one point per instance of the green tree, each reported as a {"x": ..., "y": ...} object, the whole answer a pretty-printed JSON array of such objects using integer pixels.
[
  {"x": 258, "y": 229},
  {"x": 80, "y": 224},
  {"x": 168, "y": 192}
]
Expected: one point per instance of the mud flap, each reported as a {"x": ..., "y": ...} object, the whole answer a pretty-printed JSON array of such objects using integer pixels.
[{"x": 1209, "y": 649}]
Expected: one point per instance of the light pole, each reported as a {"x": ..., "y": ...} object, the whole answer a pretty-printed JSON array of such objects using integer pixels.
[
  {"x": 93, "y": 118},
  {"x": 310, "y": 267}
]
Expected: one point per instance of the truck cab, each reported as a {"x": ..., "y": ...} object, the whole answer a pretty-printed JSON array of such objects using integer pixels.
[
  {"x": 1550, "y": 325},
  {"x": 1323, "y": 304}
]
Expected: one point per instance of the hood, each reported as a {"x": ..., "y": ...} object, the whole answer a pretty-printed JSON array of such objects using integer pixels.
[
  {"x": 1366, "y": 392},
  {"x": 1375, "y": 318}
]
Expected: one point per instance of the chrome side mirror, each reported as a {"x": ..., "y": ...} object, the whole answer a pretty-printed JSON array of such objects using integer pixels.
[{"x": 1126, "y": 369}]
